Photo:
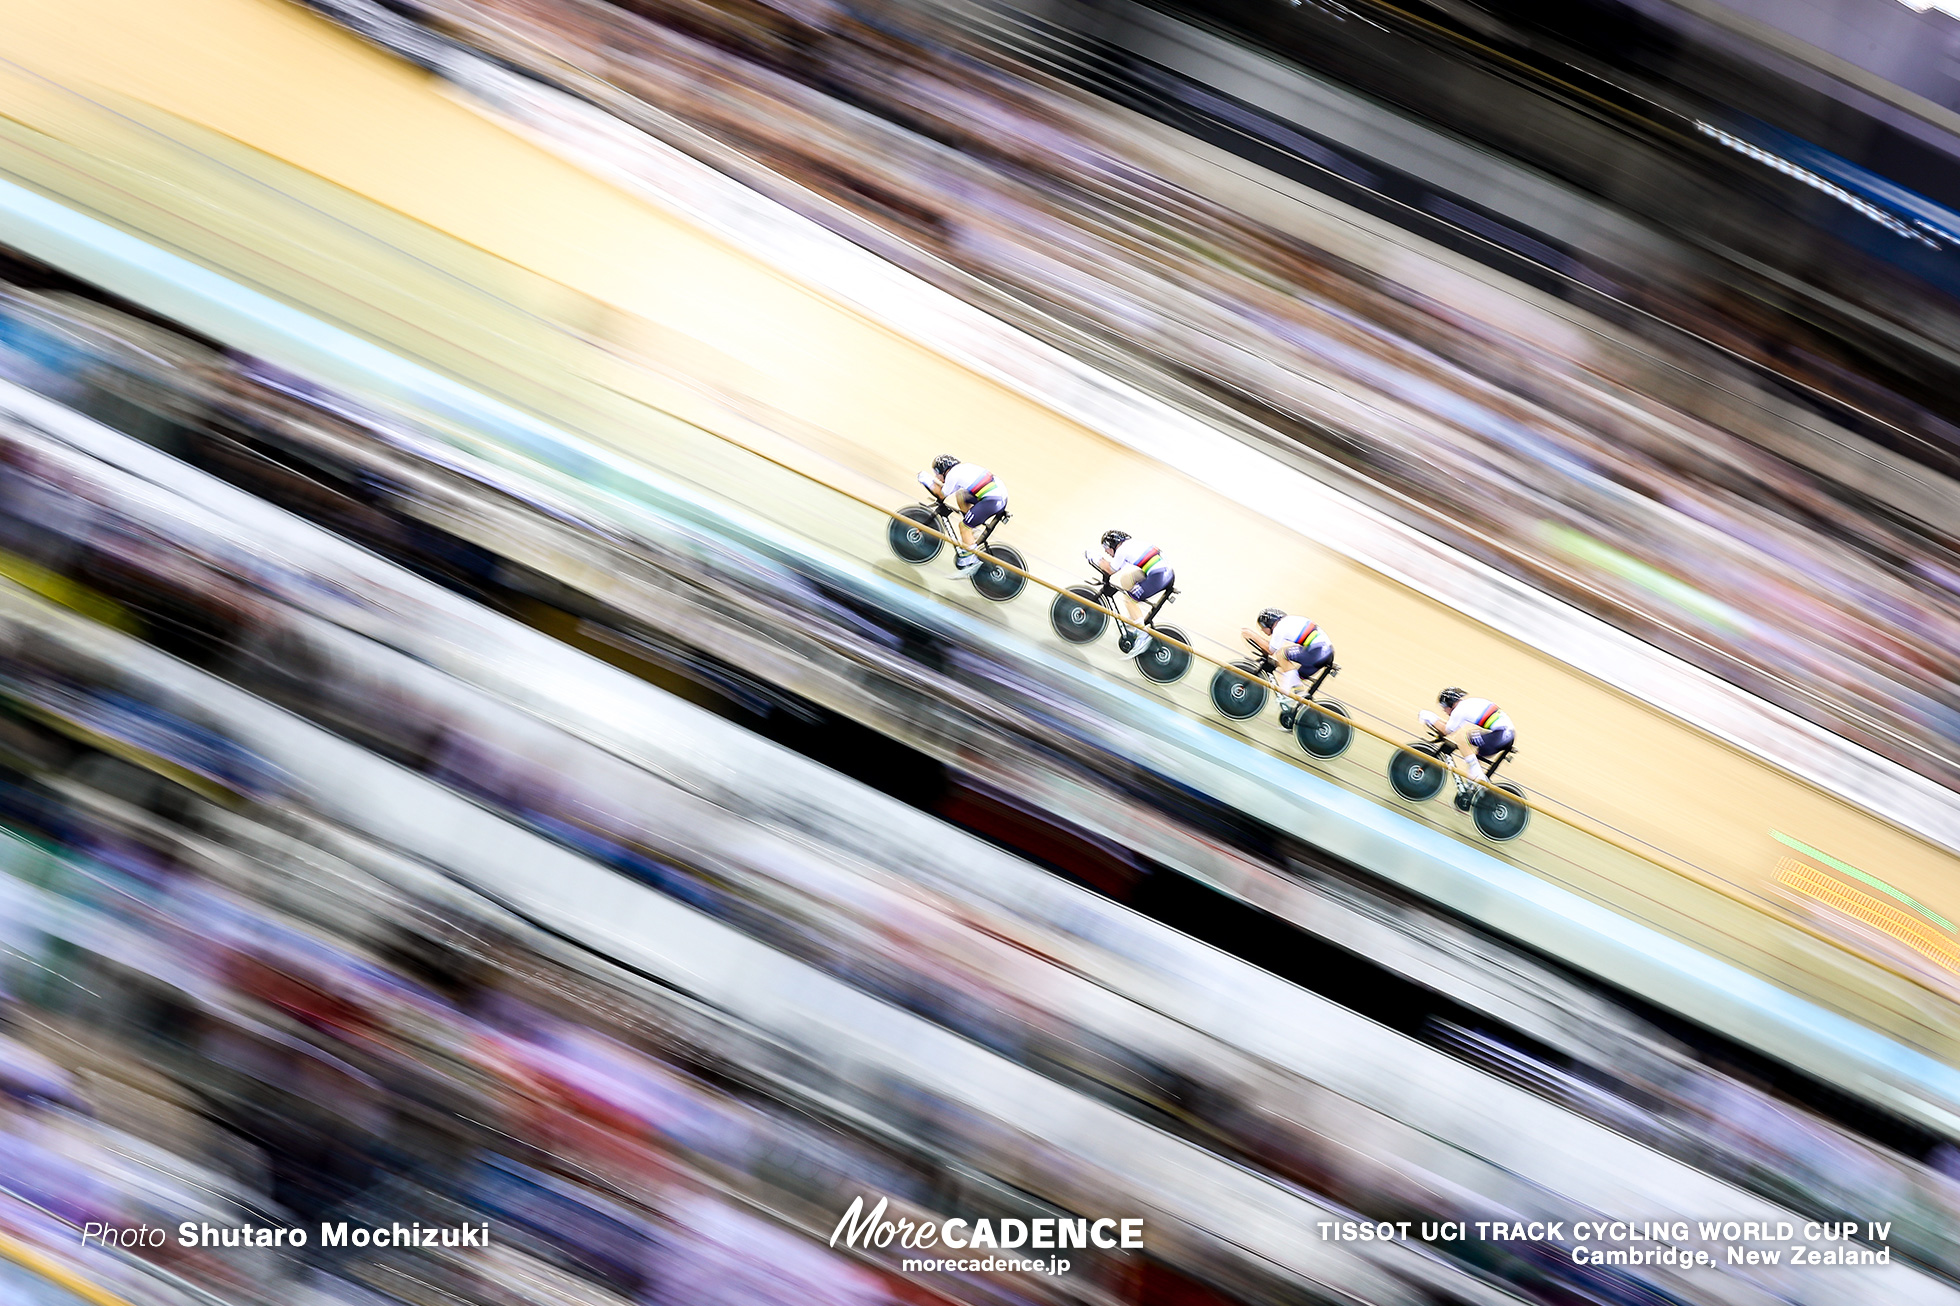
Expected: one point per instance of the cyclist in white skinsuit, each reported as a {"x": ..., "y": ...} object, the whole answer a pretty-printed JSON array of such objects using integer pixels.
[
  {"x": 977, "y": 498},
  {"x": 1486, "y": 725},
  {"x": 1139, "y": 573},
  {"x": 1296, "y": 645}
]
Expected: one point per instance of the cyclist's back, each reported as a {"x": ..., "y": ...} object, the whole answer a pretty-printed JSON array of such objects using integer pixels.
[
  {"x": 976, "y": 482},
  {"x": 1478, "y": 714},
  {"x": 1296, "y": 632},
  {"x": 1146, "y": 558}
]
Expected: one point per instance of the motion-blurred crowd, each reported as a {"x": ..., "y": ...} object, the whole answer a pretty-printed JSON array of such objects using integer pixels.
[
  {"x": 221, "y": 1003},
  {"x": 1655, "y": 484}
]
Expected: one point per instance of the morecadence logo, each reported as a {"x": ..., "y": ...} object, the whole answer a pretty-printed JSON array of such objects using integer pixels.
[{"x": 870, "y": 1230}]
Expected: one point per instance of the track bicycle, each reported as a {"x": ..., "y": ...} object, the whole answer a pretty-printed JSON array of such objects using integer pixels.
[
  {"x": 1417, "y": 772},
  {"x": 1078, "y": 615},
  {"x": 911, "y": 538},
  {"x": 1323, "y": 726}
]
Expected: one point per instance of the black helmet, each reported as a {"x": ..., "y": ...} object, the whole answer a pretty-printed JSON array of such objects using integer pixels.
[
  {"x": 1270, "y": 618},
  {"x": 1111, "y": 540},
  {"x": 1451, "y": 697},
  {"x": 944, "y": 463}
]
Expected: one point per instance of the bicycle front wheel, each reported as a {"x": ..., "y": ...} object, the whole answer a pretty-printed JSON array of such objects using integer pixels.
[
  {"x": 909, "y": 541},
  {"x": 1075, "y": 616},
  {"x": 1416, "y": 772},
  {"x": 1235, "y": 696}
]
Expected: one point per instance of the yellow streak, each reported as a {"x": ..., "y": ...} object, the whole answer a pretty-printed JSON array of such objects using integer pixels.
[{"x": 47, "y": 1267}]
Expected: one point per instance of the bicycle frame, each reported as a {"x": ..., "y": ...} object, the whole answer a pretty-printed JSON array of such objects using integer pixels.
[
  {"x": 1462, "y": 778},
  {"x": 1269, "y": 664},
  {"x": 946, "y": 513},
  {"x": 1106, "y": 590}
]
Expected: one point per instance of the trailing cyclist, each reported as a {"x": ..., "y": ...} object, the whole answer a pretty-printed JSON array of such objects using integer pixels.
[
  {"x": 1486, "y": 725},
  {"x": 977, "y": 498},
  {"x": 1296, "y": 646},
  {"x": 1139, "y": 573}
]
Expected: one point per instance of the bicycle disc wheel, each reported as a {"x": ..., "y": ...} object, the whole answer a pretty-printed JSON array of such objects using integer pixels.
[
  {"x": 1163, "y": 663},
  {"x": 1324, "y": 729},
  {"x": 1416, "y": 772},
  {"x": 1075, "y": 616},
  {"x": 996, "y": 582},
  {"x": 911, "y": 543},
  {"x": 1500, "y": 812},
  {"x": 1235, "y": 696}
]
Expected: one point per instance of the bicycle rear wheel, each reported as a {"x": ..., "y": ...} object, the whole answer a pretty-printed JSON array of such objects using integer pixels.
[
  {"x": 1163, "y": 663},
  {"x": 1235, "y": 696},
  {"x": 1500, "y": 813},
  {"x": 1416, "y": 772},
  {"x": 1075, "y": 616},
  {"x": 996, "y": 582},
  {"x": 1324, "y": 729},
  {"x": 911, "y": 543}
]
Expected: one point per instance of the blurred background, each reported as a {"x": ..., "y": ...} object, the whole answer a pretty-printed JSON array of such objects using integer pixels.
[{"x": 482, "y": 742}]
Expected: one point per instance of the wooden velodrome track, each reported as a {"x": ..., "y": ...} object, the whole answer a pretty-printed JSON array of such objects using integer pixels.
[{"x": 259, "y": 140}]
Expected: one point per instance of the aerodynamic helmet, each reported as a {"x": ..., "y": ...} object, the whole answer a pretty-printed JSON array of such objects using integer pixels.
[
  {"x": 1270, "y": 618},
  {"x": 1112, "y": 540},
  {"x": 944, "y": 463},
  {"x": 1450, "y": 697}
]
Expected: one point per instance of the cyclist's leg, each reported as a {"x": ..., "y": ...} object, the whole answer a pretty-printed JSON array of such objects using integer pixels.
[
  {"x": 982, "y": 512},
  {"x": 964, "y": 523},
  {"x": 1488, "y": 745},
  {"x": 1287, "y": 674},
  {"x": 1141, "y": 593},
  {"x": 1302, "y": 660},
  {"x": 1467, "y": 767},
  {"x": 969, "y": 525},
  {"x": 1128, "y": 581}
]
